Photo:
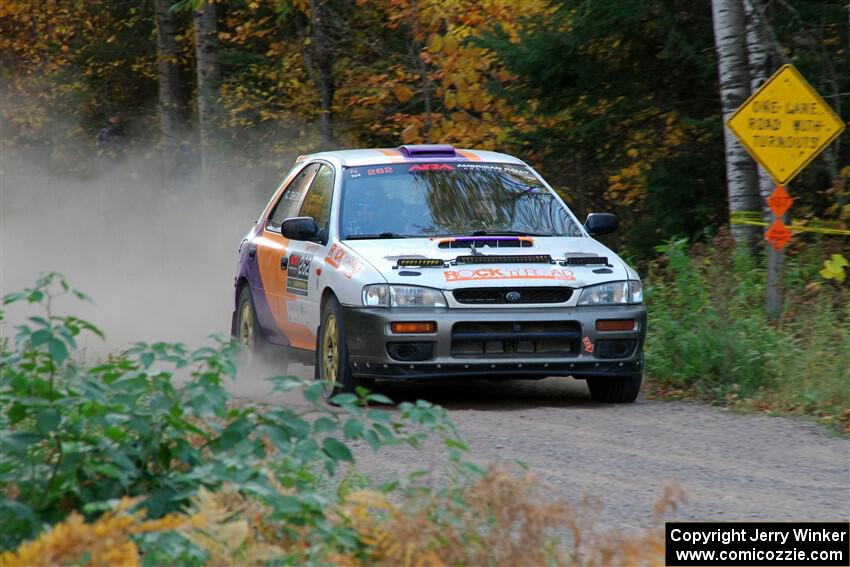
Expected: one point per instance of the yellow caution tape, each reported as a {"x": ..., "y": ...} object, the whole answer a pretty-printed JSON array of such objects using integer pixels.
[{"x": 754, "y": 218}]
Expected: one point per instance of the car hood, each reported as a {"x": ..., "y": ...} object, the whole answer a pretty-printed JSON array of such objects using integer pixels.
[{"x": 384, "y": 255}]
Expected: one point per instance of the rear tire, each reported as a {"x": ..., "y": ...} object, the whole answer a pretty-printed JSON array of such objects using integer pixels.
[
  {"x": 615, "y": 389},
  {"x": 332, "y": 353},
  {"x": 248, "y": 331}
]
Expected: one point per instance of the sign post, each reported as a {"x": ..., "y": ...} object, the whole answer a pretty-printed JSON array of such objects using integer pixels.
[{"x": 784, "y": 125}]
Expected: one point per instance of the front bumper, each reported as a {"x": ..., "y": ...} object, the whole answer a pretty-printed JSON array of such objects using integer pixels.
[{"x": 370, "y": 341}]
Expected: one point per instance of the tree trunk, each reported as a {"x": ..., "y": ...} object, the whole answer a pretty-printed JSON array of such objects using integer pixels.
[
  {"x": 209, "y": 76},
  {"x": 729, "y": 38},
  {"x": 171, "y": 108},
  {"x": 759, "y": 61},
  {"x": 320, "y": 65}
]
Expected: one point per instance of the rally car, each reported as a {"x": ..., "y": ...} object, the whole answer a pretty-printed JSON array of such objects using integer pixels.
[{"x": 428, "y": 261}]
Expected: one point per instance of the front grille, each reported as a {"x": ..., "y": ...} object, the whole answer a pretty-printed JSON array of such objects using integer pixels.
[
  {"x": 515, "y": 339},
  {"x": 499, "y": 295}
]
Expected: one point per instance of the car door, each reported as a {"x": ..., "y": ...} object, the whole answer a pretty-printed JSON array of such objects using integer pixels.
[
  {"x": 306, "y": 261},
  {"x": 271, "y": 253}
]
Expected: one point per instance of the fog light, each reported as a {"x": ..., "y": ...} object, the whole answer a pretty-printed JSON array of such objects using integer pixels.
[
  {"x": 615, "y": 325},
  {"x": 417, "y": 327}
]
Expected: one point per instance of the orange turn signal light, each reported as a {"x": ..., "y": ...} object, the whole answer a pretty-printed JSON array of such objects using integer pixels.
[
  {"x": 615, "y": 325},
  {"x": 418, "y": 327}
]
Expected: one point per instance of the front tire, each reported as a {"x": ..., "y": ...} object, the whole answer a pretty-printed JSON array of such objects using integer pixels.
[
  {"x": 615, "y": 389},
  {"x": 332, "y": 365},
  {"x": 248, "y": 331}
]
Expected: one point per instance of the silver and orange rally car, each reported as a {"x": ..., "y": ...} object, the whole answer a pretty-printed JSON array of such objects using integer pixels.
[{"x": 428, "y": 261}]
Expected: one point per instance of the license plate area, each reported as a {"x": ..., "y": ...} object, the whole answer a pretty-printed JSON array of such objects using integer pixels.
[{"x": 515, "y": 339}]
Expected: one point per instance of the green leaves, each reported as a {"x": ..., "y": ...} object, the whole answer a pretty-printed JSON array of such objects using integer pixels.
[
  {"x": 336, "y": 449},
  {"x": 47, "y": 420},
  {"x": 80, "y": 437}
]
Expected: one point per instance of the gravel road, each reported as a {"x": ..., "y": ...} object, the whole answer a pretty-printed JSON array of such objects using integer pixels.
[{"x": 730, "y": 466}]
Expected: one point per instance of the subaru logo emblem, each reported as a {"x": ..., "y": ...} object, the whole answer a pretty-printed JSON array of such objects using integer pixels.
[{"x": 513, "y": 296}]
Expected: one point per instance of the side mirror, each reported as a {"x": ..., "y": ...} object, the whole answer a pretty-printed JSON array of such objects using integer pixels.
[
  {"x": 598, "y": 224},
  {"x": 299, "y": 228}
]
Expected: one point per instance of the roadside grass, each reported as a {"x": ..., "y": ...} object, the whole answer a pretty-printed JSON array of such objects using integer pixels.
[
  {"x": 709, "y": 336},
  {"x": 118, "y": 463}
]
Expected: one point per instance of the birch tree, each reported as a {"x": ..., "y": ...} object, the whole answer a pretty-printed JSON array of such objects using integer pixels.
[
  {"x": 732, "y": 65},
  {"x": 171, "y": 106},
  {"x": 209, "y": 75}
]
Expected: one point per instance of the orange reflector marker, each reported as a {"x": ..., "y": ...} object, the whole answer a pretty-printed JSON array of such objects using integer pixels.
[
  {"x": 418, "y": 327},
  {"x": 615, "y": 325}
]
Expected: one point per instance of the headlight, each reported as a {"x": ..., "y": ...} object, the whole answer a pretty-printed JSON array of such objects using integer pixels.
[
  {"x": 635, "y": 292},
  {"x": 382, "y": 295},
  {"x": 612, "y": 293}
]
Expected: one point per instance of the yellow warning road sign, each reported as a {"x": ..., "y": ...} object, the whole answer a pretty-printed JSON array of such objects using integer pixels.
[{"x": 785, "y": 124}]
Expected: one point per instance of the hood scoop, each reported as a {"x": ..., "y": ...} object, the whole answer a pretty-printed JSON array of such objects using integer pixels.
[
  {"x": 585, "y": 260},
  {"x": 491, "y": 241},
  {"x": 505, "y": 259}
]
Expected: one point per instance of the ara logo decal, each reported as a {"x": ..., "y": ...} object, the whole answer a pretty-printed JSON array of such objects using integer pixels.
[
  {"x": 298, "y": 273},
  {"x": 431, "y": 167}
]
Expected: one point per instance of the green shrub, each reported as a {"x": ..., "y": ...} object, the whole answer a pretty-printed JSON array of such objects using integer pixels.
[
  {"x": 708, "y": 331},
  {"x": 156, "y": 423}
]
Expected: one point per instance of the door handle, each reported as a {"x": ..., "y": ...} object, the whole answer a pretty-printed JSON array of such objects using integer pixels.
[
  {"x": 252, "y": 252},
  {"x": 284, "y": 262}
]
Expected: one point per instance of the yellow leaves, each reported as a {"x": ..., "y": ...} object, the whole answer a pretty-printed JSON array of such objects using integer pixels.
[
  {"x": 450, "y": 45},
  {"x": 833, "y": 269},
  {"x": 106, "y": 541},
  {"x": 450, "y": 100},
  {"x": 632, "y": 153},
  {"x": 435, "y": 43},
  {"x": 402, "y": 92},
  {"x": 410, "y": 134}
]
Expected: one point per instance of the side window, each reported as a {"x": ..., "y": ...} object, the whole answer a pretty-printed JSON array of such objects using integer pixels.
[
  {"x": 287, "y": 205},
  {"x": 317, "y": 204}
]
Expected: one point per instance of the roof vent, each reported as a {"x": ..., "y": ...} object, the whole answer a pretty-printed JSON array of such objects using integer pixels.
[{"x": 427, "y": 150}]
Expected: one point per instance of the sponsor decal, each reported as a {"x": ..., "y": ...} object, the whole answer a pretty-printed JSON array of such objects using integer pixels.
[
  {"x": 588, "y": 344},
  {"x": 354, "y": 173},
  {"x": 298, "y": 273},
  {"x": 347, "y": 264},
  {"x": 431, "y": 167},
  {"x": 379, "y": 171},
  {"x": 508, "y": 274}
]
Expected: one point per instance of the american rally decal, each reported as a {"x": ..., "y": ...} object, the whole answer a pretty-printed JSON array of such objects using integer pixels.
[
  {"x": 347, "y": 264},
  {"x": 508, "y": 274},
  {"x": 298, "y": 273}
]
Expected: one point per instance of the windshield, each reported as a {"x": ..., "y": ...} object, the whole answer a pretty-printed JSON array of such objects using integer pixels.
[{"x": 443, "y": 199}]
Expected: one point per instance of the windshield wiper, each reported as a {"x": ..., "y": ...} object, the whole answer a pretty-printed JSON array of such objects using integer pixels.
[{"x": 374, "y": 236}]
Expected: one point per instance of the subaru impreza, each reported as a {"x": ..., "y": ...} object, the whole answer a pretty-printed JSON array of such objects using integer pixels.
[{"x": 428, "y": 261}]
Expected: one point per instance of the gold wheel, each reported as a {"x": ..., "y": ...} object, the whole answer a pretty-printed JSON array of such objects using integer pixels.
[
  {"x": 246, "y": 325},
  {"x": 330, "y": 353}
]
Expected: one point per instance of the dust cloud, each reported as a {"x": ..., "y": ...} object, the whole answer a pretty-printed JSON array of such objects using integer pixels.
[{"x": 158, "y": 261}]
